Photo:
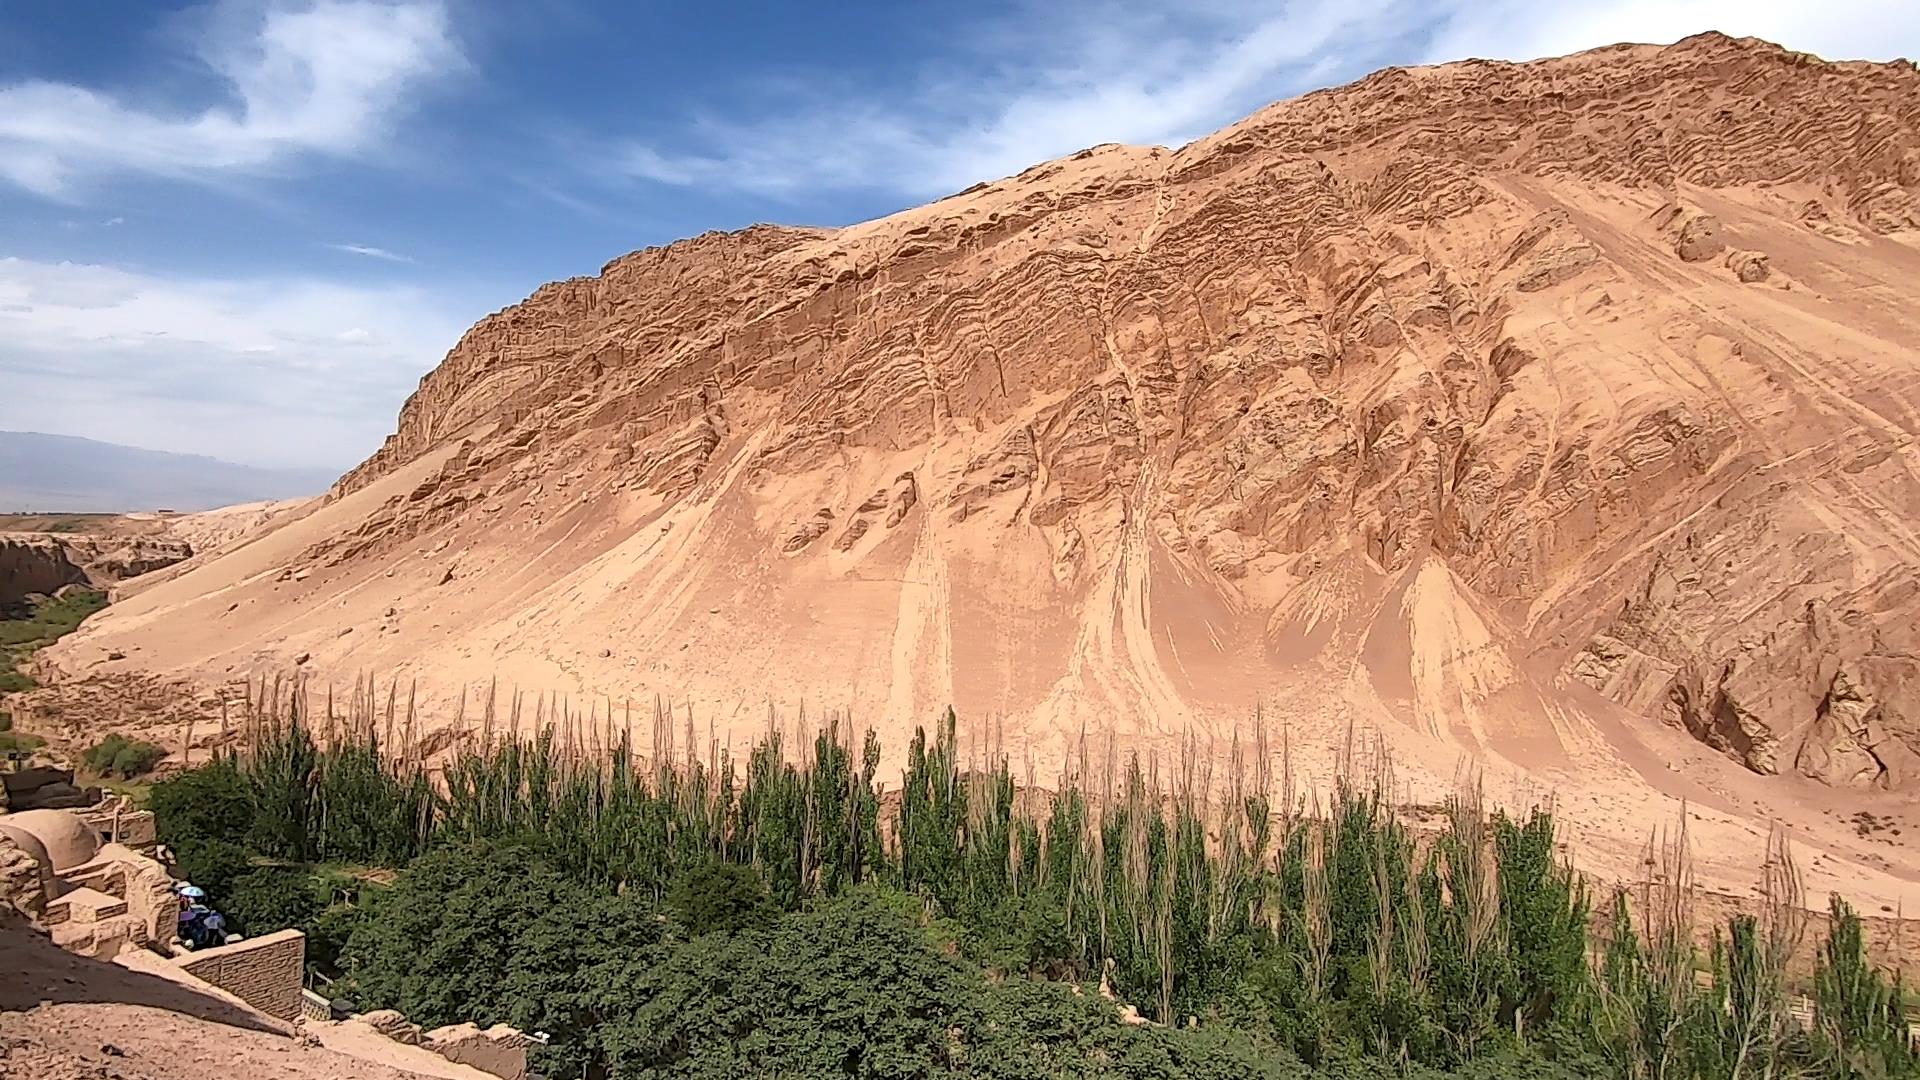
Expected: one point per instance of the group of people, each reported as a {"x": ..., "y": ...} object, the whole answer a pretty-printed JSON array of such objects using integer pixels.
[{"x": 201, "y": 927}]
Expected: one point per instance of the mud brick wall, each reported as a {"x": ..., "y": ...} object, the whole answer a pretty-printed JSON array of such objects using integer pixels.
[
  {"x": 264, "y": 972},
  {"x": 499, "y": 1050}
]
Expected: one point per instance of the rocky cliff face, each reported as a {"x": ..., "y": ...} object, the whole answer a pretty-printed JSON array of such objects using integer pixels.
[
  {"x": 111, "y": 559},
  {"x": 43, "y": 562},
  {"x": 1444, "y": 397},
  {"x": 31, "y": 565}
]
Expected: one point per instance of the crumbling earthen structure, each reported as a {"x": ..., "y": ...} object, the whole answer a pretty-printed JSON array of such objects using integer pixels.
[
  {"x": 95, "y": 895},
  {"x": 499, "y": 1050}
]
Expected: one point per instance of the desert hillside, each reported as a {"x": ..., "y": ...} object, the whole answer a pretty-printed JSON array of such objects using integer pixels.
[{"x": 1554, "y": 419}]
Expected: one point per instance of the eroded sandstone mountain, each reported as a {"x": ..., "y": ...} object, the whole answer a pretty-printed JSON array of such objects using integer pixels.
[{"x": 1440, "y": 400}]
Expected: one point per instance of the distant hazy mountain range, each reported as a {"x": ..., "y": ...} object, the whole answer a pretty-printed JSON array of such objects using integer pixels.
[{"x": 63, "y": 474}]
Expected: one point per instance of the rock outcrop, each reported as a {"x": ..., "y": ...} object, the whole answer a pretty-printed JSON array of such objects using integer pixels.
[
  {"x": 1432, "y": 401},
  {"x": 32, "y": 565},
  {"x": 44, "y": 563},
  {"x": 108, "y": 560}
]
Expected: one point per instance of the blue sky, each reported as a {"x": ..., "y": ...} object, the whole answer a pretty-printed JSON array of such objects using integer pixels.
[{"x": 247, "y": 228}]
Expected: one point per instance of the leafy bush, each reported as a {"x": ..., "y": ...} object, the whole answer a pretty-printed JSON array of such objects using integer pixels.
[
  {"x": 440, "y": 941},
  {"x": 862, "y": 987},
  {"x": 721, "y": 897},
  {"x": 117, "y": 755},
  {"x": 213, "y": 802},
  {"x": 854, "y": 989},
  {"x": 269, "y": 898},
  {"x": 203, "y": 816},
  {"x": 494, "y": 934},
  {"x": 214, "y": 865},
  {"x": 328, "y": 934}
]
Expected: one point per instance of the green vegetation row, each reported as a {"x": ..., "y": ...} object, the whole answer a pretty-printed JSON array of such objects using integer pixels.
[
  {"x": 38, "y": 624},
  {"x": 784, "y": 916},
  {"x": 118, "y": 756}
]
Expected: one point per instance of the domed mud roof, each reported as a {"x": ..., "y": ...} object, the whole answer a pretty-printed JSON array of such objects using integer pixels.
[{"x": 65, "y": 841}]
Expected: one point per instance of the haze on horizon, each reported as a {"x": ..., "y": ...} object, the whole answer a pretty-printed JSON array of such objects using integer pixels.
[{"x": 246, "y": 229}]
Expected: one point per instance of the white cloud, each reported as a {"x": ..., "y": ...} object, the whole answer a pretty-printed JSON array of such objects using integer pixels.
[
  {"x": 372, "y": 252},
  {"x": 327, "y": 78},
  {"x": 1078, "y": 74},
  {"x": 1525, "y": 30},
  {"x": 264, "y": 371},
  {"x": 1070, "y": 75}
]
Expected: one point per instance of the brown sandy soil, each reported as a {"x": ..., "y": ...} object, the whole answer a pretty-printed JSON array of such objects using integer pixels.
[
  {"x": 1552, "y": 422},
  {"x": 210, "y": 530},
  {"x": 65, "y": 1017}
]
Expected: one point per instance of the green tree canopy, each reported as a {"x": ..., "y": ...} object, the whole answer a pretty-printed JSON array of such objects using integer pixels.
[{"x": 722, "y": 897}]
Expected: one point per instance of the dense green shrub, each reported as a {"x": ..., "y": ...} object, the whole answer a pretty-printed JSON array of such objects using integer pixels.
[
  {"x": 721, "y": 897},
  {"x": 214, "y": 865},
  {"x": 204, "y": 816},
  {"x": 328, "y": 933},
  {"x": 494, "y": 934},
  {"x": 854, "y": 989},
  {"x": 211, "y": 802},
  {"x": 439, "y": 943},
  {"x": 270, "y": 898},
  {"x": 117, "y": 755}
]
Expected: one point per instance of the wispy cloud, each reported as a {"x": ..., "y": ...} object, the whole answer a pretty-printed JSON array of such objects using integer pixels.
[
  {"x": 1067, "y": 75},
  {"x": 1084, "y": 73},
  {"x": 328, "y": 78},
  {"x": 372, "y": 252},
  {"x": 287, "y": 371},
  {"x": 1525, "y": 30}
]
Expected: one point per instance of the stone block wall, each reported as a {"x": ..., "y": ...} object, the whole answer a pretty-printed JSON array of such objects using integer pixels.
[{"x": 265, "y": 972}]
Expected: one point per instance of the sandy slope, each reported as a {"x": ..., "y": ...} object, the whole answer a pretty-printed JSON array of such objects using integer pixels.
[{"x": 1553, "y": 421}]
